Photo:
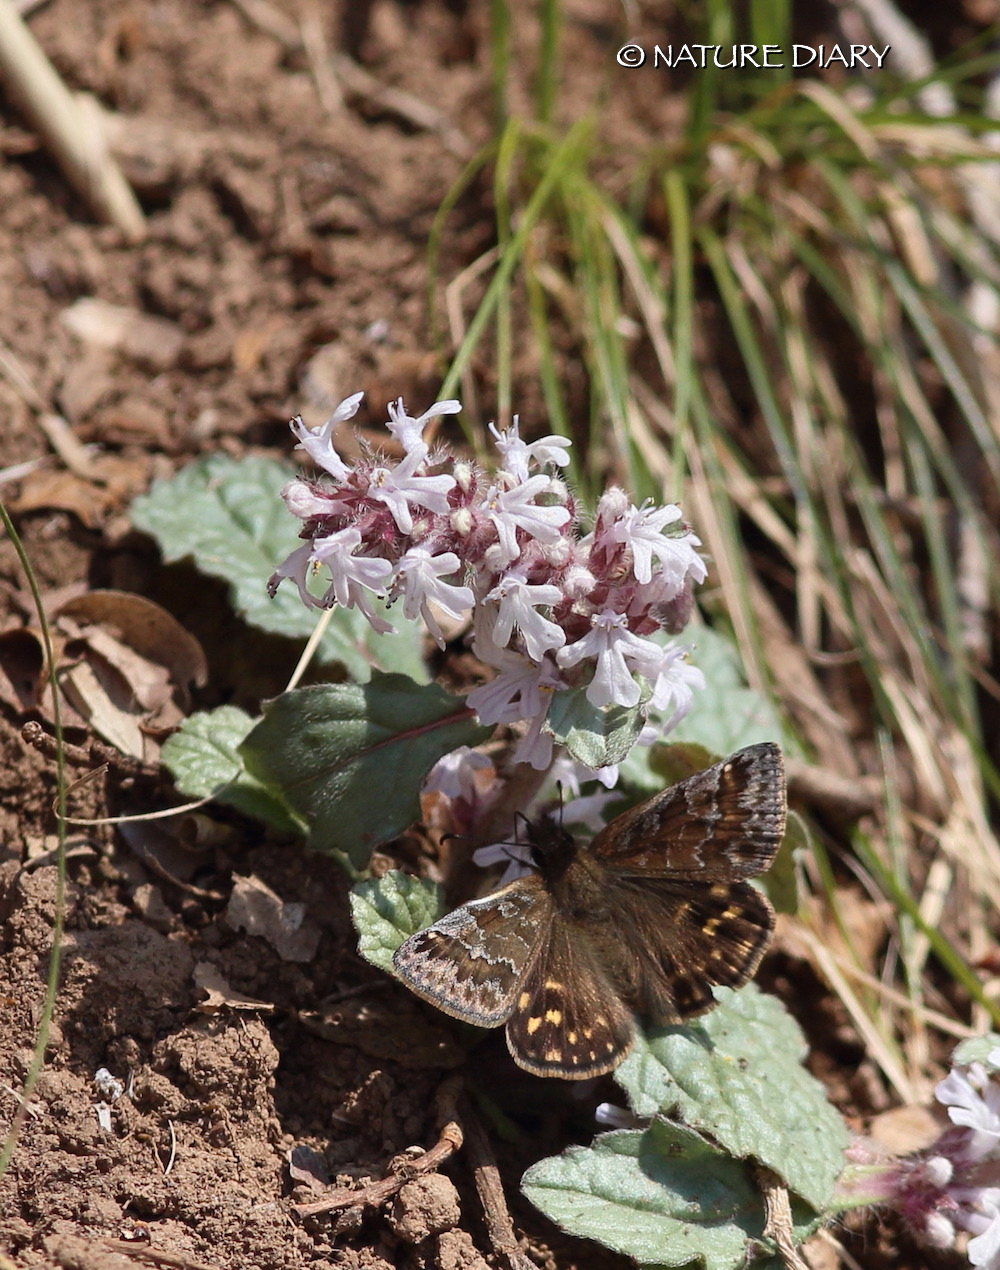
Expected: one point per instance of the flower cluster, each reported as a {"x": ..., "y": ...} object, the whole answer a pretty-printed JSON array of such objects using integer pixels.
[
  {"x": 954, "y": 1184},
  {"x": 553, "y": 608}
]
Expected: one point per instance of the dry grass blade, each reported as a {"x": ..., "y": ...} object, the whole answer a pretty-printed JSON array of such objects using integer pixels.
[{"x": 70, "y": 126}]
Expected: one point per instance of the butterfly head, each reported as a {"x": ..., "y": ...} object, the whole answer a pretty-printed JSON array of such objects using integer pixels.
[{"x": 553, "y": 848}]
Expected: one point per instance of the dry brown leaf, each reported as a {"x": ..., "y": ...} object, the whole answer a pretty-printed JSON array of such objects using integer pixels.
[
  {"x": 22, "y": 660},
  {"x": 255, "y": 908},
  {"x": 64, "y": 491},
  {"x": 92, "y": 694},
  {"x": 151, "y": 341},
  {"x": 219, "y": 995},
  {"x": 147, "y": 628}
]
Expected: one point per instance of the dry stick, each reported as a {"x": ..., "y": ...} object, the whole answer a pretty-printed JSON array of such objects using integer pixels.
[
  {"x": 141, "y": 1252},
  {"x": 97, "y": 752},
  {"x": 778, "y": 1210},
  {"x": 499, "y": 820},
  {"x": 58, "y": 433},
  {"x": 450, "y": 1139},
  {"x": 847, "y": 798},
  {"x": 70, "y": 126},
  {"x": 489, "y": 1187}
]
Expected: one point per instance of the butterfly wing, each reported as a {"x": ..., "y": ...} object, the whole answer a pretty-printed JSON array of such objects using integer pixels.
[
  {"x": 672, "y": 942},
  {"x": 471, "y": 964},
  {"x": 568, "y": 1019},
  {"x": 723, "y": 823}
]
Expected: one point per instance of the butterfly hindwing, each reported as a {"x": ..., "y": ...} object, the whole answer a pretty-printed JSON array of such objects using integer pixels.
[
  {"x": 471, "y": 963},
  {"x": 675, "y": 941},
  {"x": 724, "y": 823},
  {"x": 568, "y": 1019}
]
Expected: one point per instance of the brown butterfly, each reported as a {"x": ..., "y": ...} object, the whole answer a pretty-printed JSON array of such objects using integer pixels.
[{"x": 647, "y": 921}]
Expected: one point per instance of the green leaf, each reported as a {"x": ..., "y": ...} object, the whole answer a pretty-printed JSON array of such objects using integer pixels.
[
  {"x": 726, "y": 715},
  {"x": 389, "y": 909},
  {"x": 203, "y": 758},
  {"x": 675, "y": 761},
  {"x": 350, "y": 757},
  {"x": 664, "y": 1196},
  {"x": 737, "y": 1076},
  {"x": 595, "y": 735},
  {"x": 977, "y": 1049},
  {"x": 229, "y": 517}
]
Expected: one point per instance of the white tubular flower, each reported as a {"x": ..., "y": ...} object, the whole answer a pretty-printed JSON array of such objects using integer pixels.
[
  {"x": 674, "y": 681},
  {"x": 971, "y": 1099},
  {"x": 641, "y": 530},
  {"x": 516, "y": 454},
  {"x": 398, "y": 487},
  {"x": 611, "y": 644},
  {"x": 319, "y": 444},
  {"x": 351, "y": 575},
  {"x": 515, "y": 693},
  {"x": 513, "y": 509},
  {"x": 535, "y": 747},
  {"x": 297, "y": 567},
  {"x": 517, "y": 602},
  {"x": 409, "y": 431},
  {"x": 420, "y": 577},
  {"x": 984, "y": 1249},
  {"x": 454, "y": 775},
  {"x": 305, "y": 500}
]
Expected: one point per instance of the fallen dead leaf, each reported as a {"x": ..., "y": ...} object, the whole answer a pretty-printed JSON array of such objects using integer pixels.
[
  {"x": 255, "y": 908},
  {"x": 145, "y": 627},
  {"x": 219, "y": 995},
  {"x": 152, "y": 341},
  {"x": 22, "y": 660},
  {"x": 64, "y": 491},
  {"x": 94, "y": 695}
]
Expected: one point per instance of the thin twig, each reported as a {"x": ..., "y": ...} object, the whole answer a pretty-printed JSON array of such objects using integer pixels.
[
  {"x": 489, "y": 1187},
  {"x": 778, "y": 1210},
  {"x": 154, "y": 1256},
  {"x": 404, "y": 1168}
]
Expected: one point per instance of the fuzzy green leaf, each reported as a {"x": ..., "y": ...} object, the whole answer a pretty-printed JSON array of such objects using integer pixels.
[
  {"x": 664, "y": 1196},
  {"x": 389, "y": 909},
  {"x": 595, "y": 735},
  {"x": 726, "y": 714},
  {"x": 203, "y": 758},
  {"x": 737, "y": 1076},
  {"x": 229, "y": 517},
  {"x": 350, "y": 758}
]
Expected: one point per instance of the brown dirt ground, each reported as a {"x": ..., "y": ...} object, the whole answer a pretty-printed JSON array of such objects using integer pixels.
[{"x": 286, "y": 250}]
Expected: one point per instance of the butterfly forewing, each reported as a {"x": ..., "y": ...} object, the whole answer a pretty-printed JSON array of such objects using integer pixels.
[
  {"x": 723, "y": 823},
  {"x": 471, "y": 963},
  {"x": 569, "y": 1020}
]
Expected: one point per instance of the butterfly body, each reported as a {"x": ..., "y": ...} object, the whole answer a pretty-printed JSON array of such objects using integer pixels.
[{"x": 645, "y": 922}]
